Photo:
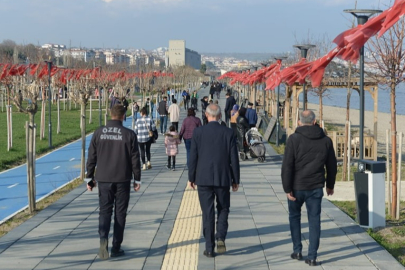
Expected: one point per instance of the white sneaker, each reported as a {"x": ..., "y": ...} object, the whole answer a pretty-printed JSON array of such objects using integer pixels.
[
  {"x": 144, "y": 167},
  {"x": 149, "y": 165}
]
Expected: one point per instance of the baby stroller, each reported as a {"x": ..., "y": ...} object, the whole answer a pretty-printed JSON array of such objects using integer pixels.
[{"x": 257, "y": 149}]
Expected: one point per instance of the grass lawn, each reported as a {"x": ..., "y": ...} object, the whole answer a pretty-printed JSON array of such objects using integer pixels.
[
  {"x": 392, "y": 238},
  {"x": 69, "y": 126}
]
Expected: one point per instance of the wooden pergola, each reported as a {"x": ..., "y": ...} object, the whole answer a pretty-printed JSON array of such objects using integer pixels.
[{"x": 292, "y": 101}]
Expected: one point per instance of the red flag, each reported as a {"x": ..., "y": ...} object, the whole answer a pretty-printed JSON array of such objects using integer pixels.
[
  {"x": 13, "y": 70},
  {"x": 22, "y": 69},
  {"x": 54, "y": 70},
  {"x": 43, "y": 71},
  {"x": 393, "y": 15},
  {"x": 34, "y": 68},
  {"x": 318, "y": 67},
  {"x": 4, "y": 73},
  {"x": 364, "y": 32}
]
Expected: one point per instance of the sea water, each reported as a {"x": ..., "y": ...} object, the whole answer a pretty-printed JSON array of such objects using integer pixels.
[{"x": 337, "y": 97}]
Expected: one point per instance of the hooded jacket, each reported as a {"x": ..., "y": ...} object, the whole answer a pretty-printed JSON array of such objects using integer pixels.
[
  {"x": 307, "y": 153},
  {"x": 171, "y": 142}
]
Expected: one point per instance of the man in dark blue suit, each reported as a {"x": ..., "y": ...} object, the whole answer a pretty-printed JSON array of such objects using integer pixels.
[{"x": 214, "y": 168}]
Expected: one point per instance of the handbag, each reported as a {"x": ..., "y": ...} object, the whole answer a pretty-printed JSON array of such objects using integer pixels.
[
  {"x": 153, "y": 134},
  {"x": 149, "y": 131}
]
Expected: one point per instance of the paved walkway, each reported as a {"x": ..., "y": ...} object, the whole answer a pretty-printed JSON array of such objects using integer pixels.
[{"x": 164, "y": 228}]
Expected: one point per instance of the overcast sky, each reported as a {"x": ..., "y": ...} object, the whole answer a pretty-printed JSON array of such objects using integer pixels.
[{"x": 206, "y": 25}]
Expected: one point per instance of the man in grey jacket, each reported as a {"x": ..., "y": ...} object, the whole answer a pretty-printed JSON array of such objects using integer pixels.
[{"x": 114, "y": 150}]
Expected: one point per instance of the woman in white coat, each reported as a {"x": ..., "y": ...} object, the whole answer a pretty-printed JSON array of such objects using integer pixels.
[{"x": 174, "y": 112}]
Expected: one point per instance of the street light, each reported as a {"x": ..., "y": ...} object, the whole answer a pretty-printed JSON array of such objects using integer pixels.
[
  {"x": 304, "y": 51},
  {"x": 264, "y": 65},
  {"x": 254, "y": 69},
  {"x": 50, "y": 103},
  {"x": 362, "y": 16},
  {"x": 281, "y": 58}
]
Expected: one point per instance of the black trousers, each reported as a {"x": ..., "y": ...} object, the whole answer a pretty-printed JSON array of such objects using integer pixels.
[
  {"x": 207, "y": 196},
  {"x": 142, "y": 146},
  {"x": 113, "y": 195},
  {"x": 169, "y": 161}
]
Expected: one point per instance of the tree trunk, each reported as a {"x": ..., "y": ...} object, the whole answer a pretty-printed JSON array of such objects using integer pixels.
[
  {"x": 83, "y": 127},
  {"x": 30, "y": 150},
  {"x": 42, "y": 127},
  {"x": 9, "y": 121},
  {"x": 393, "y": 150},
  {"x": 58, "y": 107}
]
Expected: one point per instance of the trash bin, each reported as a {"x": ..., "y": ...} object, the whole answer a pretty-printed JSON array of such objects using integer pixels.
[{"x": 369, "y": 186}]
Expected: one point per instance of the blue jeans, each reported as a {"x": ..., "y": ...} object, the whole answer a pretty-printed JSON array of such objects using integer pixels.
[
  {"x": 313, "y": 200},
  {"x": 163, "y": 123},
  {"x": 187, "y": 143}
]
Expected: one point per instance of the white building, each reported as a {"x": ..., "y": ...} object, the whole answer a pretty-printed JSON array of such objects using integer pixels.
[{"x": 179, "y": 55}]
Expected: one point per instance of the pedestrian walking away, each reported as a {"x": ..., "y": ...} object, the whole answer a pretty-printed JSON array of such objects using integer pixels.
[
  {"x": 162, "y": 110},
  {"x": 234, "y": 117},
  {"x": 214, "y": 153},
  {"x": 204, "y": 105},
  {"x": 171, "y": 143},
  {"x": 307, "y": 153},
  {"x": 114, "y": 150},
  {"x": 125, "y": 103},
  {"x": 135, "y": 110},
  {"x": 194, "y": 100},
  {"x": 242, "y": 126},
  {"x": 189, "y": 124},
  {"x": 174, "y": 112},
  {"x": 230, "y": 101},
  {"x": 115, "y": 100},
  {"x": 251, "y": 115},
  {"x": 186, "y": 99},
  {"x": 144, "y": 128}
]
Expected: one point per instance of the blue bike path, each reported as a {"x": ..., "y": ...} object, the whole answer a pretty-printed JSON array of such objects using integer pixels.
[{"x": 53, "y": 171}]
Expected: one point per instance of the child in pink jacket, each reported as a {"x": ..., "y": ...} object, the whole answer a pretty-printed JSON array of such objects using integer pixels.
[{"x": 171, "y": 142}]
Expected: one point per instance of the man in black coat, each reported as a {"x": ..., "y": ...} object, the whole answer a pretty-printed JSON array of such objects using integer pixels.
[
  {"x": 214, "y": 168},
  {"x": 307, "y": 153},
  {"x": 230, "y": 101},
  {"x": 114, "y": 151}
]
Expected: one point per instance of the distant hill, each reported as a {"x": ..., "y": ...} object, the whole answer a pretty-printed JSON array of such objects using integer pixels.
[{"x": 256, "y": 57}]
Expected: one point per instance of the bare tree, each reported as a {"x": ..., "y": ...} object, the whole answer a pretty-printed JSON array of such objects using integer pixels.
[{"x": 389, "y": 59}]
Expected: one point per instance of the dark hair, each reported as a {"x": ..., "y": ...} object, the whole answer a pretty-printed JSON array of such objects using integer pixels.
[
  {"x": 242, "y": 111},
  {"x": 164, "y": 97},
  {"x": 117, "y": 111},
  {"x": 143, "y": 111},
  {"x": 227, "y": 94},
  {"x": 174, "y": 100},
  {"x": 190, "y": 112},
  {"x": 172, "y": 128}
]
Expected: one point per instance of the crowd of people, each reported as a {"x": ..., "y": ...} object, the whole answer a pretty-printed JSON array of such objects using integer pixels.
[{"x": 213, "y": 164}]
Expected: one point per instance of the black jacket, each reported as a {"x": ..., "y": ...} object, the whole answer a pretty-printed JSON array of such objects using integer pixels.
[
  {"x": 242, "y": 125},
  {"x": 214, "y": 159},
  {"x": 162, "y": 109},
  {"x": 307, "y": 153},
  {"x": 230, "y": 101},
  {"x": 114, "y": 150},
  {"x": 204, "y": 105}
]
